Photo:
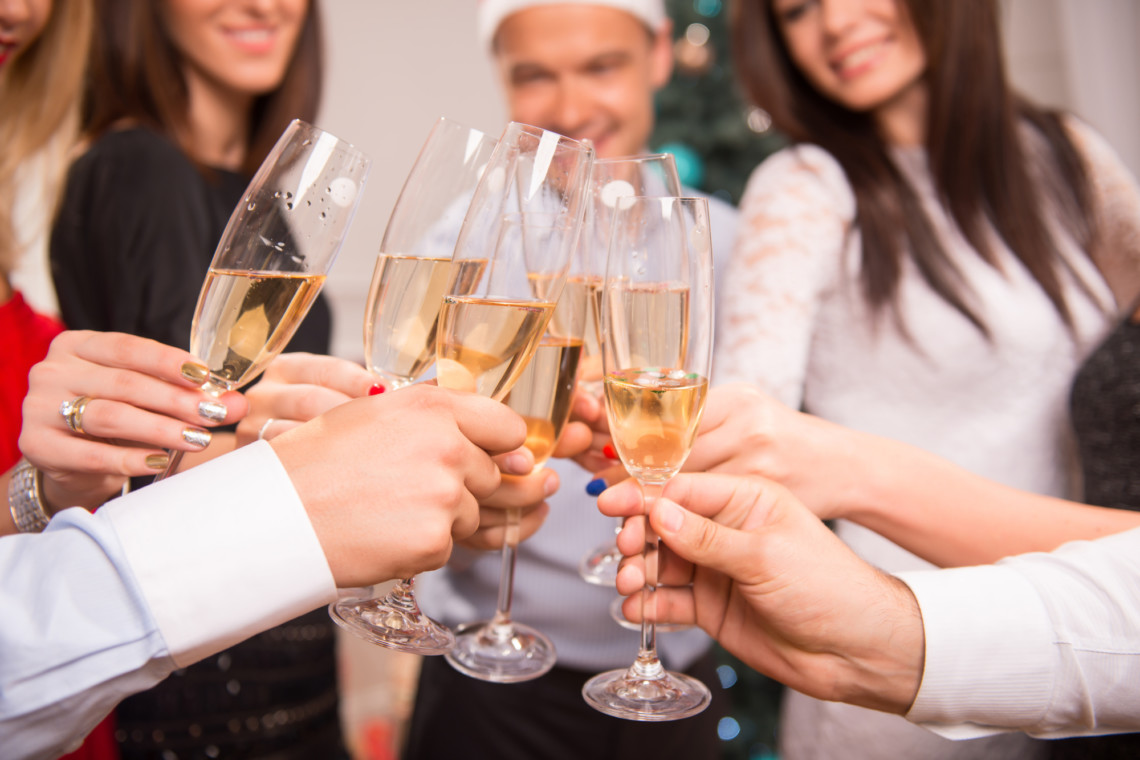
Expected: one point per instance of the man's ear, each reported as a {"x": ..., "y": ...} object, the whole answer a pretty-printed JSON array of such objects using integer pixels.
[{"x": 661, "y": 55}]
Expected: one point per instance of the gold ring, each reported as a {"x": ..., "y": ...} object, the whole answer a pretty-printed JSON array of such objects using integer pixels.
[{"x": 72, "y": 413}]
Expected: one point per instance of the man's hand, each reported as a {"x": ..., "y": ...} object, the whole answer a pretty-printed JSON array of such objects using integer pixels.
[
  {"x": 389, "y": 481},
  {"x": 750, "y": 565},
  {"x": 524, "y": 489}
]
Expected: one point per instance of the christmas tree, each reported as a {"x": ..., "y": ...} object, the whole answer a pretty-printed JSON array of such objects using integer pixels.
[{"x": 702, "y": 119}]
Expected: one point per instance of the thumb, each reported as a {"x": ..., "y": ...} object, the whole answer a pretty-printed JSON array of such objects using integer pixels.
[{"x": 700, "y": 540}]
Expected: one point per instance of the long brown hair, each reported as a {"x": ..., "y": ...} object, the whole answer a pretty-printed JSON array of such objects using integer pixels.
[
  {"x": 40, "y": 89},
  {"x": 136, "y": 75},
  {"x": 975, "y": 147}
]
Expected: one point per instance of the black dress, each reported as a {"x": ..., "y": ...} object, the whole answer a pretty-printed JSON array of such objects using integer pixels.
[
  {"x": 1105, "y": 406},
  {"x": 135, "y": 234}
]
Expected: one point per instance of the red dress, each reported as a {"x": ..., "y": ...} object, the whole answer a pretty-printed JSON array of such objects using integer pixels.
[
  {"x": 24, "y": 336},
  {"x": 24, "y": 340}
]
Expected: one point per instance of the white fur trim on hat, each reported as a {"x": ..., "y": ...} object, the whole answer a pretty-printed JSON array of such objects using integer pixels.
[{"x": 491, "y": 13}]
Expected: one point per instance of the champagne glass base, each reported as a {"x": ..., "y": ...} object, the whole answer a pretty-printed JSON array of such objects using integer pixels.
[
  {"x": 600, "y": 567},
  {"x": 377, "y": 621},
  {"x": 624, "y": 694},
  {"x": 619, "y": 618},
  {"x": 501, "y": 653}
]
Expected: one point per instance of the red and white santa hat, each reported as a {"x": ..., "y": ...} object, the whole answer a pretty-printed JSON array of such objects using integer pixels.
[{"x": 491, "y": 13}]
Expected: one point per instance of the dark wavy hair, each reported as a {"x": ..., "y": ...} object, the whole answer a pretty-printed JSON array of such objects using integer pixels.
[
  {"x": 136, "y": 74},
  {"x": 975, "y": 145}
]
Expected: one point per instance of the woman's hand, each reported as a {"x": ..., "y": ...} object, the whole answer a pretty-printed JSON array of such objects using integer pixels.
[
  {"x": 744, "y": 431},
  {"x": 142, "y": 398},
  {"x": 298, "y": 387}
]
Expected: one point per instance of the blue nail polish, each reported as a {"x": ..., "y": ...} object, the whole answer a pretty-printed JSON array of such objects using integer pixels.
[{"x": 596, "y": 486}]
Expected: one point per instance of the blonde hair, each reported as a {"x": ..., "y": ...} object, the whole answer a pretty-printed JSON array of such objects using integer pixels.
[{"x": 41, "y": 91}]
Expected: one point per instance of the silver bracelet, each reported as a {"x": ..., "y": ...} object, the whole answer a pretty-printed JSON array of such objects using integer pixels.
[{"x": 25, "y": 498}]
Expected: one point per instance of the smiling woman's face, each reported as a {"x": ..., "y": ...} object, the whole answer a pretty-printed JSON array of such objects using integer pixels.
[
  {"x": 21, "y": 22},
  {"x": 862, "y": 54},
  {"x": 239, "y": 45}
]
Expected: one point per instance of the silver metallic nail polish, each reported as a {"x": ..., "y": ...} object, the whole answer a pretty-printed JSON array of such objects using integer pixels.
[
  {"x": 214, "y": 411},
  {"x": 196, "y": 437}
]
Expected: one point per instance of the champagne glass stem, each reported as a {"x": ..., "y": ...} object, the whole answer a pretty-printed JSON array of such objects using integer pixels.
[
  {"x": 172, "y": 464},
  {"x": 501, "y": 623},
  {"x": 648, "y": 665},
  {"x": 402, "y": 596}
]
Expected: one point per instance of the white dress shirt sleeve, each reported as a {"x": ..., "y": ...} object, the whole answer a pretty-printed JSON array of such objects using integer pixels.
[
  {"x": 102, "y": 606},
  {"x": 1048, "y": 644}
]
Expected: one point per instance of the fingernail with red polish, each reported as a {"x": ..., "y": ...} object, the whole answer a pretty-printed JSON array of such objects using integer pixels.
[
  {"x": 376, "y": 390},
  {"x": 608, "y": 450}
]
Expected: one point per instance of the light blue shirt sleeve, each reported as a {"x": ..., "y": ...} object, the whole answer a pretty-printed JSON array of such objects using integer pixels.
[
  {"x": 77, "y": 636},
  {"x": 102, "y": 606}
]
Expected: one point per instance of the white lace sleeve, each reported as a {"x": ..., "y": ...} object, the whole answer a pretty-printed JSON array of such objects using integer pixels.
[
  {"x": 1117, "y": 198},
  {"x": 794, "y": 218}
]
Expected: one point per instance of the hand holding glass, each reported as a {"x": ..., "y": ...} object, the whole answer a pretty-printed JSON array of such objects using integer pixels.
[
  {"x": 273, "y": 257},
  {"x": 400, "y": 323},
  {"x": 611, "y": 180},
  {"x": 657, "y": 325},
  {"x": 527, "y": 211}
]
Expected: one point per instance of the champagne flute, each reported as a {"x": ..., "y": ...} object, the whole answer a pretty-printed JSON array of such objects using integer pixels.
[
  {"x": 400, "y": 322},
  {"x": 503, "y": 650},
  {"x": 528, "y": 211},
  {"x": 611, "y": 180},
  {"x": 274, "y": 255},
  {"x": 657, "y": 325}
]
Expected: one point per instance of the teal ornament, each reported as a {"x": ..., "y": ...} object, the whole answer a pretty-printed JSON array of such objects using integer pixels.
[
  {"x": 707, "y": 8},
  {"x": 690, "y": 165}
]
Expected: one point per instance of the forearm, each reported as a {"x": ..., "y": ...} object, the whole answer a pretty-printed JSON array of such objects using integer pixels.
[
  {"x": 137, "y": 598},
  {"x": 58, "y": 680},
  {"x": 952, "y": 517}
]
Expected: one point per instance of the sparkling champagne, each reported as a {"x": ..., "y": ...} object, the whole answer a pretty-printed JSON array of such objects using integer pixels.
[
  {"x": 244, "y": 319},
  {"x": 402, "y": 314},
  {"x": 543, "y": 393},
  {"x": 653, "y": 415},
  {"x": 484, "y": 344},
  {"x": 653, "y": 320}
]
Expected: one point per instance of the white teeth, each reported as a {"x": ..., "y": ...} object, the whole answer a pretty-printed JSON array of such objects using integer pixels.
[
  {"x": 252, "y": 35},
  {"x": 859, "y": 57}
]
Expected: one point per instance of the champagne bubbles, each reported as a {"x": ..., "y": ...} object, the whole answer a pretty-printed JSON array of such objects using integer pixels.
[{"x": 342, "y": 191}]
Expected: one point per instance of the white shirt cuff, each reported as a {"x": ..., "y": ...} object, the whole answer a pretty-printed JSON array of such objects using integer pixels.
[
  {"x": 222, "y": 551},
  {"x": 989, "y": 651}
]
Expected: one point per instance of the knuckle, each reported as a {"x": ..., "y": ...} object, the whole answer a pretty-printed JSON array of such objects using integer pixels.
[
  {"x": 451, "y": 493},
  {"x": 91, "y": 459},
  {"x": 708, "y": 536},
  {"x": 310, "y": 405},
  {"x": 436, "y": 544}
]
